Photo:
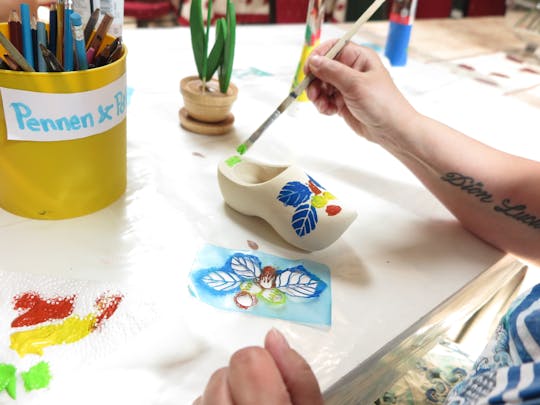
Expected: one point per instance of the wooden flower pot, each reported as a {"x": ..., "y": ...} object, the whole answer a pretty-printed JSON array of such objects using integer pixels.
[{"x": 206, "y": 111}]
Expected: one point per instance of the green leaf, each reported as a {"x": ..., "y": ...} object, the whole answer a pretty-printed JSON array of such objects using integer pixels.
[
  {"x": 225, "y": 70},
  {"x": 197, "y": 35},
  {"x": 216, "y": 54},
  {"x": 207, "y": 39}
]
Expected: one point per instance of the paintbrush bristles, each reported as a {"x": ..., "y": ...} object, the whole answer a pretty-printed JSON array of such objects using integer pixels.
[{"x": 331, "y": 54}]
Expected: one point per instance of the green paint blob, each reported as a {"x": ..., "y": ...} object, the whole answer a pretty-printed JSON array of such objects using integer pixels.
[
  {"x": 242, "y": 149},
  {"x": 8, "y": 380},
  {"x": 37, "y": 377},
  {"x": 233, "y": 160}
]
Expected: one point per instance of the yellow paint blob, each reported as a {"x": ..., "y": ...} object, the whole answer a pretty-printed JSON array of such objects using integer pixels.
[
  {"x": 328, "y": 195},
  {"x": 318, "y": 201},
  {"x": 33, "y": 341}
]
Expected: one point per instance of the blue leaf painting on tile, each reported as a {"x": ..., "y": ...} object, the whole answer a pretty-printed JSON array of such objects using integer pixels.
[
  {"x": 266, "y": 285},
  {"x": 306, "y": 199}
]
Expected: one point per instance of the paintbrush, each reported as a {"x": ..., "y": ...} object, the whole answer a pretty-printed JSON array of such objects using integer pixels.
[{"x": 331, "y": 54}]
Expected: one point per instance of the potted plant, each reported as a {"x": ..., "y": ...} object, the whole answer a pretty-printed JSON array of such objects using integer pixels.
[{"x": 207, "y": 100}]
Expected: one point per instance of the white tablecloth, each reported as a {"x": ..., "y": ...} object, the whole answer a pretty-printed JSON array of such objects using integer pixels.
[{"x": 402, "y": 256}]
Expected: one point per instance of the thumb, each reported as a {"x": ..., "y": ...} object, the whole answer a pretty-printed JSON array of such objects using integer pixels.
[
  {"x": 333, "y": 72},
  {"x": 296, "y": 373}
]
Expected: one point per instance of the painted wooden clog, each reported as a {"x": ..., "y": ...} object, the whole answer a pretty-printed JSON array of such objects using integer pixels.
[{"x": 302, "y": 211}]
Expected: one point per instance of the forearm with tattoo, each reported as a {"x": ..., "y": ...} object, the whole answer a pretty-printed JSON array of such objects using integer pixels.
[{"x": 476, "y": 189}]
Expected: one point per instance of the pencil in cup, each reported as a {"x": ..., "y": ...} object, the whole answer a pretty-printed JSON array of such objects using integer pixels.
[
  {"x": 96, "y": 40},
  {"x": 15, "y": 30},
  {"x": 15, "y": 55},
  {"x": 44, "y": 179},
  {"x": 78, "y": 38},
  {"x": 60, "y": 8}
]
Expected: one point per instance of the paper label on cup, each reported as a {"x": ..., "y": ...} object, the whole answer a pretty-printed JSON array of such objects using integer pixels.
[{"x": 45, "y": 117}]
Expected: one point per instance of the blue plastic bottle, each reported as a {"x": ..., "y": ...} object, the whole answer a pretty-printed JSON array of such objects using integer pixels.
[{"x": 401, "y": 20}]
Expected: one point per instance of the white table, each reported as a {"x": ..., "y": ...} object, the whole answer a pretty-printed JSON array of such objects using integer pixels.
[{"x": 401, "y": 258}]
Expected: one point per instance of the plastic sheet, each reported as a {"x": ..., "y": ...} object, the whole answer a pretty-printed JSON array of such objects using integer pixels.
[{"x": 401, "y": 258}]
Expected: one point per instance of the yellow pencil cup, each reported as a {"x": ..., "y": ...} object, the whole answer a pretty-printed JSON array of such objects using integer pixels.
[{"x": 62, "y": 140}]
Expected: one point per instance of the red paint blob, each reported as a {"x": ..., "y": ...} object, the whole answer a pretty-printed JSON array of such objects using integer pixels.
[
  {"x": 486, "y": 81},
  {"x": 529, "y": 70},
  {"x": 504, "y": 76},
  {"x": 314, "y": 188},
  {"x": 467, "y": 67},
  {"x": 38, "y": 310},
  {"x": 332, "y": 210},
  {"x": 252, "y": 245},
  {"x": 514, "y": 58}
]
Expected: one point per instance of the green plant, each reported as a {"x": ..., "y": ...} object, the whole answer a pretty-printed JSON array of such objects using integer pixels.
[{"x": 221, "y": 56}]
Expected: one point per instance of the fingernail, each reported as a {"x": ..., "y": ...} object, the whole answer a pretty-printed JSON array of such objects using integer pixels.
[
  {"x": 279, "y": 339},
  {"x": 315, "y": 61}
]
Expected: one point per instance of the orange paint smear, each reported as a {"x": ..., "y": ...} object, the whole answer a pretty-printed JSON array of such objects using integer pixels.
[
  {"x": 107, "y": 306},
  {"x": 70, "y": 330}
]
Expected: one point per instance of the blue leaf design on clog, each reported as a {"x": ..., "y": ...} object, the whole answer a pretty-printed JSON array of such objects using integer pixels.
[
  {"x": 218, "y": 281},
  {"x": 294, "y": 193},
  {"x": 304, "y": 219},
  {"x": 298, "y": 282},
  {"x": 246, "y": 266}
]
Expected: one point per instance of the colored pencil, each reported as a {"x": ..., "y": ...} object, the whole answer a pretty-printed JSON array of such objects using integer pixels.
[
  {"x": 42, "y": 41},
  {"x": 15, "y": 54},
  {"x": 100, "y": 33},
  {"x": 90, "y": 25},
  {"x": 33, "y": 28},
  {"x": 60, "y": 30},
  {"x": 53, "y": 28},
  {"x": 15, "y": 30},
  {"x": 78, "y": 36},
  {"x": 4, "y": 65},
  {"x": 68, "y": 37},
  {"x": 11, "y": 63},
  {"x": 26, "y": 34}
]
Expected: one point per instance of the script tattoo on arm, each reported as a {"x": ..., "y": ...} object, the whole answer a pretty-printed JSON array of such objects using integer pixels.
[
  {"x": 468, "y": 184},
  {"x": 518, "y": 213}
]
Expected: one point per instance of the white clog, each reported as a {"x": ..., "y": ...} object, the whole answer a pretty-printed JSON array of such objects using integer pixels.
[{"x": 293, "y": 203}]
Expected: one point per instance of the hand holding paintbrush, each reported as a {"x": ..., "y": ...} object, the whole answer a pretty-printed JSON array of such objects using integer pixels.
[{"x": 331, "y": 54}]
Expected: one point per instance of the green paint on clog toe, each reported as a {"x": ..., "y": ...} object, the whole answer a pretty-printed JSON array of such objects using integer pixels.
[{"x": 233, "y": 160}]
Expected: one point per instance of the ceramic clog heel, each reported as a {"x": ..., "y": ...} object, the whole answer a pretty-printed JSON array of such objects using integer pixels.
[{"x": 302, "y": 211}]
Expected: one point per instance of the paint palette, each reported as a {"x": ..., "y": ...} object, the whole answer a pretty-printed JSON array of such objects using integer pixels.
[{"x": 55, "y": 326}]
